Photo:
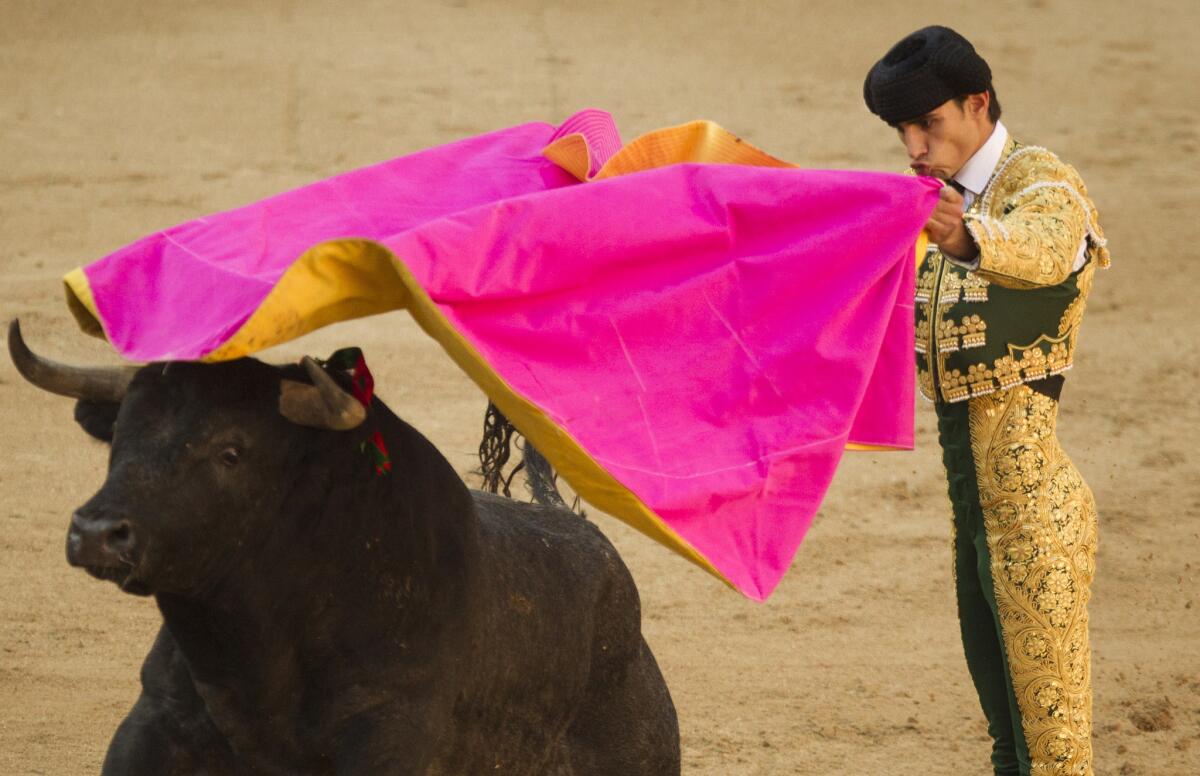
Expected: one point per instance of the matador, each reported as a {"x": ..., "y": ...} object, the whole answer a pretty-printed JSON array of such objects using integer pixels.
[{"x": 1000, "y": 296}]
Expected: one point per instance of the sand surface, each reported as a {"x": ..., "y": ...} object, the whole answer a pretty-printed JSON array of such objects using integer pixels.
[{"x": 118, "y": 118}]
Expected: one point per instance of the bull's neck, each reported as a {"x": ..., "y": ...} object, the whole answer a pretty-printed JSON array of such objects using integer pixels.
[
  {"x": 359, "y": 578},
  {"x": 358, "y": 558}
]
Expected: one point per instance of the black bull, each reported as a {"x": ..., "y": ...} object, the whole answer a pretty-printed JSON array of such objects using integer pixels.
[{"x": 320, "y": 619}]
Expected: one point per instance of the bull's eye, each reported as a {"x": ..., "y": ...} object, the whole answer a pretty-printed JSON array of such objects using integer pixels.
[{"x": 230, "y": 456}]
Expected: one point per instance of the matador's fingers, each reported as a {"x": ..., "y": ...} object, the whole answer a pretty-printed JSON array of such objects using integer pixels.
[{"x": 950, "y": 194}]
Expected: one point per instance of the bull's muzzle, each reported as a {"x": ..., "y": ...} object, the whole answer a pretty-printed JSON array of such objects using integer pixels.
[{"x": 102, "y": 545}]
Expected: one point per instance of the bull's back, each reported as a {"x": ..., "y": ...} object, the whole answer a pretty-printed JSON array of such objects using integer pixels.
[
  {"x": 541, "y": 622},
  {"x": 552, "y": 566},
  {"x": 556, "y": 582},
  {"x": 561, "y": 587}
]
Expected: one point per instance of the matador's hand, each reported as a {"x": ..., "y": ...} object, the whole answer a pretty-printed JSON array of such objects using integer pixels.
[{"x": 946, "y": 228}]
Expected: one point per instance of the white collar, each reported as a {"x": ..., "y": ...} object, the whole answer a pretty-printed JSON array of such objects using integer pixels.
[{"x": 976, "y": 173}]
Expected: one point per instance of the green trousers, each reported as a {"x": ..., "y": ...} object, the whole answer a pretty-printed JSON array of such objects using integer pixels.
[
  {"x": 978, "y": 614},
  {"x": 1024, "y": 560}
]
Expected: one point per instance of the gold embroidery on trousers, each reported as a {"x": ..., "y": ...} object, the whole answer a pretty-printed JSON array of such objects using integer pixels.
[{"x": 1040, "y": 520}]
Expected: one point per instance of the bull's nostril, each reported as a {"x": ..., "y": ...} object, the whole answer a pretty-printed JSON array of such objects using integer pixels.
[{"x": 119, "y": 536}]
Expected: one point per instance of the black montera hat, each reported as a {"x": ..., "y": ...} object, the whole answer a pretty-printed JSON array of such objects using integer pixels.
[{"x": 927, "y": 68}]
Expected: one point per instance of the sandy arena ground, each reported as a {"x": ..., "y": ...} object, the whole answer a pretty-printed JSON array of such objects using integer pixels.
[{"x": 118, "y": 118}]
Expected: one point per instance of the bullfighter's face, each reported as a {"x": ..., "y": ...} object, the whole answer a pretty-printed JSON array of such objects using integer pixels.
[{"x": 943, "y": 140}]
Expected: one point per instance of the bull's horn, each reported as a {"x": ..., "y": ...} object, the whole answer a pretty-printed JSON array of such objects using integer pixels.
[
  {"x": 98, "y": 384},
  {"x": 321, "y": 405}
]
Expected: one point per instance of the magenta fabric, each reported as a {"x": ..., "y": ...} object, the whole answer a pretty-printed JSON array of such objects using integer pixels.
[
  {"x": 180, "y": 293},
  {"x": 712, "y": 335}
]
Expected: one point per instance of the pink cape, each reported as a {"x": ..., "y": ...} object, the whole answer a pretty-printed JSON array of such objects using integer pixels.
[{"x": 693, "y": 344}]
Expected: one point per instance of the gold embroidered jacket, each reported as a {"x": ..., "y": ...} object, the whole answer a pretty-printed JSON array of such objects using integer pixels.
[{"x": 1015, "y": 318}]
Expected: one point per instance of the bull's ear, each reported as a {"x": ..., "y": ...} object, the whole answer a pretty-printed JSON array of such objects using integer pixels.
[{"x": 97, "y": 418}]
